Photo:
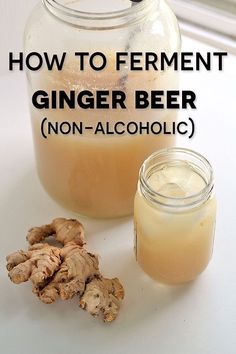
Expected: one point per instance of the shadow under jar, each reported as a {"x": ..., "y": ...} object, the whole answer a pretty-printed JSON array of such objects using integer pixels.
[
  {"x": 174, "y": 215},
  {"x": 96, "y": 175}
]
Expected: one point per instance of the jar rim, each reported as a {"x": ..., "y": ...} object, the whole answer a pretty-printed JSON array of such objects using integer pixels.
[
  {"x": 70, "y": 15},
  {"x": 175, "y": 202},
  {"x": 101, "y": 15}
]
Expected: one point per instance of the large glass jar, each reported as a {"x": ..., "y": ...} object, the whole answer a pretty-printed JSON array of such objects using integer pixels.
[
  {"x": 96, "y": 175},
  {"x": 174, "y": 213}
]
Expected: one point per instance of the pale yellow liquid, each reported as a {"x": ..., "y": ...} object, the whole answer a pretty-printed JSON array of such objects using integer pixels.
[
  {"x": 97, "y": 175},
  {"x": 174, "y": 247}
]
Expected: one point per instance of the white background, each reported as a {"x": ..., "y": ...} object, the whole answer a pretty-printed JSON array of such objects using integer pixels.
[
  {"x": 13, "y": 14},
  {"x": 199, "y": 318}
]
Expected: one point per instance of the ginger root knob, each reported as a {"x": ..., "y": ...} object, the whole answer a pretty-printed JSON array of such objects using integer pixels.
[
  {"x": 102, "y": 296},
  {"x": 38, "y": 264},
  {"x": 65, "y": 272},
  {"x": 64, "y": 231}
]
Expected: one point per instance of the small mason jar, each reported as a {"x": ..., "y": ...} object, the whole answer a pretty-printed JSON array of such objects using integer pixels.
[
  {"x": 96, "y": 175},
  {"x": 174, "y": 215}
]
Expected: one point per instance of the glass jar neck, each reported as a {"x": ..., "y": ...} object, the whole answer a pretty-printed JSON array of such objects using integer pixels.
[
  {"x": 176, "y": 157},
  {"x": 137, "y": 12}
]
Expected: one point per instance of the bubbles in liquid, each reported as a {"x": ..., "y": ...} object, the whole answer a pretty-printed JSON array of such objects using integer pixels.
[
  {"x": 172, "y": 190},
  {"x": 177, "y": 181}
]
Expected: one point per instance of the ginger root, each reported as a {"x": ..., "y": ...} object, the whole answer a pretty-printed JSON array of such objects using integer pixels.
[
  {"x": 77, "y": 267},
  {"x": 102, "y": 296},
  {"x": 64, "y": 231},
  {"x": 38, "y": 264},
  {"x": 65, "y": 272}
]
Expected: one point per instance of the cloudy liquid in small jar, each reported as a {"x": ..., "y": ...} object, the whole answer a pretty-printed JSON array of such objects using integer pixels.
[{"x": 174, "y": 221}]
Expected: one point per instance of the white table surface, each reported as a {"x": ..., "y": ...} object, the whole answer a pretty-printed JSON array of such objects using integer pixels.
[{"x": 196, "y": 319}]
